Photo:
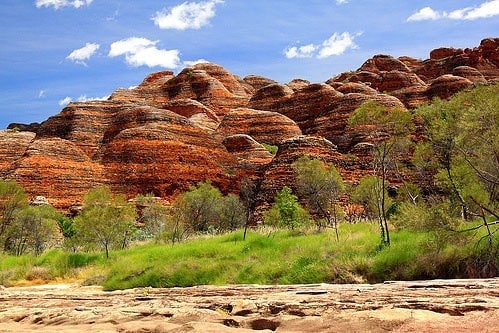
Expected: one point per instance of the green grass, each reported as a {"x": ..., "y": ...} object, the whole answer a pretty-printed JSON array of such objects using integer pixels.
[{"x": 277, "y": 257}]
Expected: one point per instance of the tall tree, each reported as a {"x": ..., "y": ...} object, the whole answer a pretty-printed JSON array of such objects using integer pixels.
[
  {"x": 320, "y": 185},
  {"x": 12, "y": 200},
  {"x": 388, "y": 130},
  {"x": 462, "y": 147},
  {"x": 247, "y": 193},
  {"x": 106, "y": 220}
]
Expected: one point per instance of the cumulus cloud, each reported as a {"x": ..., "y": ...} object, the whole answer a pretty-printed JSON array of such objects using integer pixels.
[
  {"x": 485, "y": 10},
  {"x": 425, "y": 13},
  {"x": 62, "y": 3},
  {"x": 305, "y": 51},
  {"x": 188, "y": 15},
  {"x": 82, "y": 98},
  {"x": 79, "y": 56},
  {"x": 41, "y": 94},
  {"x": 340, "y": 2},
  {"x": 337, "y": 44},
  {"x": 140, "y": 51}
]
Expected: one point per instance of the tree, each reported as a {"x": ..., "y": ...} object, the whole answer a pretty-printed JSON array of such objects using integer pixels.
[
  {"x": 462, "y": 153},
  {"x": 286, "y": 211},
  {"x": 67, "y": 229},
  {"x": 321, "y": 186},
  {"x": 247, "y": 193},
  {"x": 106, "y": 220},
  {"x": 462, "y": 147},
  {"x": 32, "y": 229},
  {"x": 153, "y": 215},
  {"x": 200, "y": 206},
  {"x": 232, "y": 213},
  {"x": 12, "y": 200},
  {"x": 369, "y": 192},
  {"x": 388, "y": 130}
]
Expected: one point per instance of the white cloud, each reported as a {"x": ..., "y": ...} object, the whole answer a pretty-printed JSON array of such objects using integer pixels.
[
  {"x": 425, "y": 13},
  {"x": 337, "y": 44},
  {"x": 62, "y": 3},
  {"x": 80, "y": 55},
  {"x": 305, "y": 51},
  {"x": 340, "y": 2},
  {"x": 188, "y": 15},
  {"x": 143, "y": 52},
  {"x": 41, "y": 94},
  {"x": 485, "y": 10},
  {"x": 82, "y": 98},
  {"x": 194, "y": 62}
]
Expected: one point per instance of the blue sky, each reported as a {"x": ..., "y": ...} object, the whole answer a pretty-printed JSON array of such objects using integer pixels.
[{"x": 56, "y": 51}]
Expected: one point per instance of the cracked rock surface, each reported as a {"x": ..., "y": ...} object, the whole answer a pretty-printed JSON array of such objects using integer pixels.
[{"x": 409, "y": 306}]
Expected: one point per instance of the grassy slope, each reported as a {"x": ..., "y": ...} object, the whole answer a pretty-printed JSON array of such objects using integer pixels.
[{"x": 281, "y": 257}]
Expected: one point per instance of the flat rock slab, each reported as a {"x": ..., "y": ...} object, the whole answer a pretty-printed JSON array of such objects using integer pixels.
[{"x": 394, "y": 306}]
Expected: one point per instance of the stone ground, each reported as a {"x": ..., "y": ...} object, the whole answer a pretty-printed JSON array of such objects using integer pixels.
[{"x": 414, "y": 306}]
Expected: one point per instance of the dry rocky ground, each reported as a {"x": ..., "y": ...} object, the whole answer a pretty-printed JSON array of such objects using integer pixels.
[{"x": 413, "y": 306}]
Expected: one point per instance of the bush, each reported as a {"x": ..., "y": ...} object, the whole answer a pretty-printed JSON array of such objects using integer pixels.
[{"x": 286, "y": 211}]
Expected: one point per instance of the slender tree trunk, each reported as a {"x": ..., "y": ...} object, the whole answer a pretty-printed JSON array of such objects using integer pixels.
[{"x": 464, "y": 211}]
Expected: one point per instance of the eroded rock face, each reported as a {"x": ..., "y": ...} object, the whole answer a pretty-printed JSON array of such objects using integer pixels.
[
  {"x": 263, "y": 126},
  {"x": 173, "y": 131},
  {"x": 247, "y": 150},
  {"x": 447, "y": 85},
  {"x": 257, "y": 81},
  {"x": 58, "y": 170},
  {"x": 210, "y": 84},
  {"x": 13, "y": 145}
]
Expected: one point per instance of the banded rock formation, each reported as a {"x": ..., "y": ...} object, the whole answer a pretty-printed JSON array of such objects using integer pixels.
[{"x": 204, "y": 123}]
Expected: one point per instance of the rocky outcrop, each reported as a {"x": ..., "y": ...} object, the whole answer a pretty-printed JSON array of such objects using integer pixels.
[
  {"x": 416, "y": 81},
  {"x": 332, "y": 122},
  {"x": 302, "y": 106},
  {"x": 195, "y": 111},
  {"x": 173, "y": 131},
  {"x": 257, "y": 81},
  {"x": 447, "y": 85},
  {"x": 174, "y": 153},
  {"x": 13, "y": 145},
  {"x": 297, "y": 84},
  {"x": 150, "y": 91},
  {"x": 269, "y": 97},
  {"x": 469, "y": 73},
  {"x": 210, "y": 84},
  {"x": 58, "y": 170},
  {"x": 264, "y": 126},
  {"x": 247, "y": 150},
  {"x": 83, "y": 123}
]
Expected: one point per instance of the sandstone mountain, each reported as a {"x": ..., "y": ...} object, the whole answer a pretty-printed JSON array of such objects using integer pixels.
[{"x": 173, "y": 131}]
